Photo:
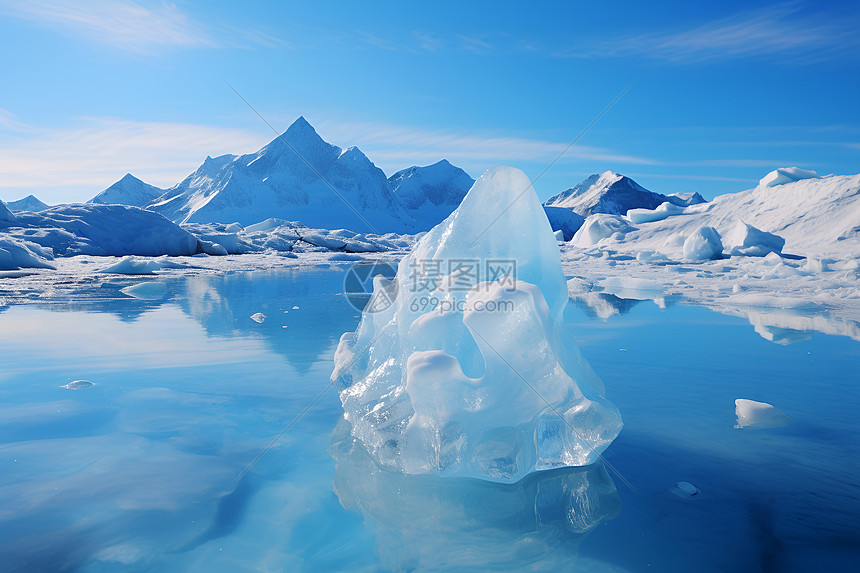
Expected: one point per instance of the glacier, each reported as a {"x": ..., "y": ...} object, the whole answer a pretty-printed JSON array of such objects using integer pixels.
[{"x": 472, "y": 372}]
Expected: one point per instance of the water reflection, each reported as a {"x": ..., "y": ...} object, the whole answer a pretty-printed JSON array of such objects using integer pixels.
[
  {"x": 778, "y": 325},
  {"x": 430, "y": 523}
]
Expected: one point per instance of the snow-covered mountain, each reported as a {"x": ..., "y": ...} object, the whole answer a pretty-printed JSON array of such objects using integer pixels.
[
  {"x": 816, "y": 216},
  {"x": 614, "y": 194},
  {"x": 128, "y": 191},
  {"x": 297, "y": 177},
  {"x": 431, "y": 193},
  {"x": 28, "y": 203}
]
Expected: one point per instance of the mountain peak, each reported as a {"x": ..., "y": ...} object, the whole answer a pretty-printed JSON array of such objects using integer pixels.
[
  {"x": 300, "y": 128},
  {"x": 609, "y": 192}
]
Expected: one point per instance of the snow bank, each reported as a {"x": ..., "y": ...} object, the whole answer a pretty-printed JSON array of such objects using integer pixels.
[
  {"x": 599, "y": 227},
  {"x": 703, "y": 244},
  {"x": 785, "y": 175},
  {"x": 462, "y": 387},
  {"x": 746, "y": 240}
]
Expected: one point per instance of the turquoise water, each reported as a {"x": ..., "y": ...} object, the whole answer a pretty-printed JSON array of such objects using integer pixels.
[{"x": 139, "y": 471}]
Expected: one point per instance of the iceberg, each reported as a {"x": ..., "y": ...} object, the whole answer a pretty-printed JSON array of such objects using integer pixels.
[
  {"x": 744, "y": 239},
  {"x": 469, "y": 370},
  {"x": 703, "y": 244}
]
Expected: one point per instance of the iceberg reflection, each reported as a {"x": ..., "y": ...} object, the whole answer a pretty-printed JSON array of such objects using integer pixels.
[{"x": 426, "y": 522}]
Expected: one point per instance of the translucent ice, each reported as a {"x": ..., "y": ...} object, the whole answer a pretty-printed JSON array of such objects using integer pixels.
[{"x": 469, "y": 370}]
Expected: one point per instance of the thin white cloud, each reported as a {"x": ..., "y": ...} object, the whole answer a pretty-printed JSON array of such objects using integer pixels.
[
  {"x": 773, "y": 31},
  {"x": 121, "y": 23},
  {"x": 10, "y": 122},
  {"x": 395, "y": 147},
  {"x": 99, "y": 151}
]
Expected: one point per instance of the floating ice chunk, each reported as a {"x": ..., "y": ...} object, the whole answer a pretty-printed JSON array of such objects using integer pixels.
[
  {"x": 703, "y": 245},
  {"x": 744, "y": 239},
  {"x": 133, "y": 266},
  {"x": 295, "y": 308},
  {"x": 559, "y": 235},
  {"x": 258, "y": 317},
  {"x": 664, "y": 211},
  {"x": 752, "y": 414},
  {"x": 784, "y": 175},
  {"x": 487, "y": 383},
  {"x": 78, "y": 384},
  {"x": 601, "y": 226},
  {"x": 685, "y": 490},
  {"x": 152, "y": 290}
]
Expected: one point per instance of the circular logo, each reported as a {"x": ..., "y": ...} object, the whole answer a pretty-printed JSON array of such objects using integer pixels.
[{"x": 358, "y": 286}]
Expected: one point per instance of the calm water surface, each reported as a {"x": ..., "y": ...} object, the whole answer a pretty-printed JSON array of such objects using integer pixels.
[{"x": 138, "y": 472}]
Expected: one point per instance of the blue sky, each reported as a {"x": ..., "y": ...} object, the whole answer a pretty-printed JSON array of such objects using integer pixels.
[{"x": 722, "y": 93}]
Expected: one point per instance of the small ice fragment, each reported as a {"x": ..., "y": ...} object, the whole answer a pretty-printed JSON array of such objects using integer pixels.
[
  {"x": 78, "y": 384},
  {"x": 559, "y": 235},
  {"x": 752, "y": 414},
  {"x": 258, "y": 317},
  {"x": 284, "y": 326},
  {"x": 685, "y": 490},
  {"x": 295, "y": 308}
]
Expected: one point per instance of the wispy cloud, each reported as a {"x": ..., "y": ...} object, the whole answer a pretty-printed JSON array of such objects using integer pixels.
[
  {"x": 394, "y": 147},
  {"x": 98, "y": 151},
  {"x": 142, "y": 27},
  {"x": 780, "y": 30},
  {"x": 10, "y": 122},
  {"x": 122, "y": 23},
  {"x": 475, "y": 44}
]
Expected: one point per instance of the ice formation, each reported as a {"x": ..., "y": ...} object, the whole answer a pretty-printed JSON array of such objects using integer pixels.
[
  {"x": 746, "y": 240},
  {"x": 473, "y": 373},
  {"x": 664, "y": 211},
  {"x": 151, "y": 290},
  {"x": 601, "y": 226},
  {"x": 786, "y": 175},
  {"x": 703, "y": 244}
]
